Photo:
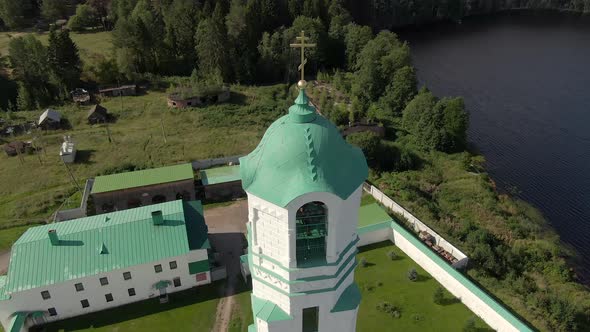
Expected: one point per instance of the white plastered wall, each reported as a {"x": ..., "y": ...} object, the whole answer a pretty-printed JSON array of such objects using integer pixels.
[{"x": 66, "y": 300}]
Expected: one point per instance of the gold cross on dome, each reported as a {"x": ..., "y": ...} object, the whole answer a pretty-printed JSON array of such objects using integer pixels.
[{"x": 302, "y": 44}]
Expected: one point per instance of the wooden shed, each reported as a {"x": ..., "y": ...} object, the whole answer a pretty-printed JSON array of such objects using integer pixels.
[
  {"x": 50, "y": 119},
  {"x": 97, "y": 114}
]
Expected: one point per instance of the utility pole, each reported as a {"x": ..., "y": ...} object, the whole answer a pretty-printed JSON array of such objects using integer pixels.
[
  {"x": 108, "y": 132},
  {"x": 120, "y": 94},
  {"x": 72, "y": 177}
]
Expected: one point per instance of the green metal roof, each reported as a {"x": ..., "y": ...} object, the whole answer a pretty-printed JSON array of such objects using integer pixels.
[
  {"x": 130, "y": 237},
  {"x": 220, "y": 175},
  {"x": 302, "y": 152},
  {"x": 3, "y": 282},
  {"x": 146, "y": 177},
  {"x": 372, "y": 214},
  {"x": 349, "y": 299},
  {"x": 267, "y": 311}
]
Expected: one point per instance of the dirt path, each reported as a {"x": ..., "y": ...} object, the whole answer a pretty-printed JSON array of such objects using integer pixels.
[
  {"x": 227, "y": 226},
  {"x": 4, "y": 261}
]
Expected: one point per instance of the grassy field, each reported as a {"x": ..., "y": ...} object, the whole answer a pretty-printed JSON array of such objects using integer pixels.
[
  {"x": 242, "y": 315},
  {"x": 89, "y": 44},
  {"x": 31, "y": 191},
  {"x": 385, "y": 280},
  {"x": 190, "y": 310}
]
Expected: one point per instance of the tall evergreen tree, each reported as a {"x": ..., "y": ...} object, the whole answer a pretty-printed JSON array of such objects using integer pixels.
[
  {"x": 13, "y": 13},
  {"x": 64, "y": 58},
  {"x": 211, "y": 47},
  {"x": 53, "y": 10}
]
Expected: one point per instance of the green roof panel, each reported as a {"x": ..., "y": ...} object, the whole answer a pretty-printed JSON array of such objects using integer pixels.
[
  {"x": 372, "y": 214},
  {"x": 349, "y": 299},
  {"x": 267, "y": 310},
  {"x": 198, "y": 267},
  {"x": 97, "y": 244},
  {"x": 300, "y": 153},
  {"x": 220, "y": 175},
  {"x": 146, "y": 177}
]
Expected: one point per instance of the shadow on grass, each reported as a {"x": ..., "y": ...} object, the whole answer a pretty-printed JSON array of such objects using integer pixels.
[
  {"x": 449, "y": 301},
  {"x": 136, "y": 310},
  {"x": 377, "y": 245},
  {"x": 422, "y": 278},
  {"x": 83, "y": 156}
]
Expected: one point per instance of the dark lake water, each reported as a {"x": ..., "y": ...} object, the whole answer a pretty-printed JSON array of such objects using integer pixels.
[{"x": 526, "y": 82}]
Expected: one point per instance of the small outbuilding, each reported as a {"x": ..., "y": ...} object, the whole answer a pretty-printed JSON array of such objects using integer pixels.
[
  {"x": 50, "y": 119},
  {"x": 67, "y": 152},
  {"x": 80, "y": 96},
  {"x": 124, "y": 90},
  {"x": 128, "y": 190},
  {"x": 189, "y": 98},
  {"x": 221, "y": 183},
  {"x": 98, "y": 114}
]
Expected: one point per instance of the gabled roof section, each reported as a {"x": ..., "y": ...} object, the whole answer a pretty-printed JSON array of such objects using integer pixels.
[
  {"x": 93, "y": 245},
  {"x": 222, "y": 174},
  {"x": 146, "y": 177},
  {"x": 300, "y": 153},
  {"x": 50, "y": 114},
  {"x": 349, "y": 299}
]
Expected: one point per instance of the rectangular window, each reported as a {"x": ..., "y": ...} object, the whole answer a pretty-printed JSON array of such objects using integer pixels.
[
  {"x": 85, "y": 303},
  {"x": 52, "y": 312},
  {"x": 104, "y": 281},
  {"x": 126, "y": 275},
  {"x": 45, "y": 295},
  {"x": 158, "y": 268},
  {"x": 311, "y": 319},
  {"x": 131, "y": 291},
  {"x": 176, "y": 282},
  {"x": 79, "y": 287},
  {"x": 109, "y": 297},
  {"x": 173, "y": 265},
  {"x": 202, "y": 276}
]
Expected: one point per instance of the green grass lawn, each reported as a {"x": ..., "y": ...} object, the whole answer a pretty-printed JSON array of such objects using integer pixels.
[
  {"x": 10, "y": 235},
  {"x": 89, "y": 44},
  {"x": 31, "y": 192},
  {"x": 190, "y": 310},
  {"x": 242, "y": 315},
  {"x": 385, "y": 280}
]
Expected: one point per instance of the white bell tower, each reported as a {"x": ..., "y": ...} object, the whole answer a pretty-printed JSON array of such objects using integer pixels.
[{"x": 304, "y": 184}]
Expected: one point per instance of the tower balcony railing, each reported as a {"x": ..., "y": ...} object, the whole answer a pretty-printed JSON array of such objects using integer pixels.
[{"x": 311, "y": 231}]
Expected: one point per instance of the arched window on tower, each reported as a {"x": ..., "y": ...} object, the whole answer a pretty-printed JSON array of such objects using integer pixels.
[{"x": 312, "y": 228}]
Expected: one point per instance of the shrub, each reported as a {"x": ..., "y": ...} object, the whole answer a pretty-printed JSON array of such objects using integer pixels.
[
  {"x": 389, "y": 309},
  {"x": 438, "y": 296},
  {"x": 363, "y": 262},
  {"x": 392, "y": 255},
  {"x": 412, "y": 274},
  {"x": 469, "y": 325}
]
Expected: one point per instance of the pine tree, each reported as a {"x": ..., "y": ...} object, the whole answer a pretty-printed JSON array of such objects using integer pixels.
[{"x": 64, "y": 59}]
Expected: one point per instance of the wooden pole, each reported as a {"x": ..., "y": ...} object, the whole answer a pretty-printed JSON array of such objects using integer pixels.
[
  {"x": 72, "y": 177},
  {"x": 109, "y": 132},
  {"x": 163, "y": 131}
]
